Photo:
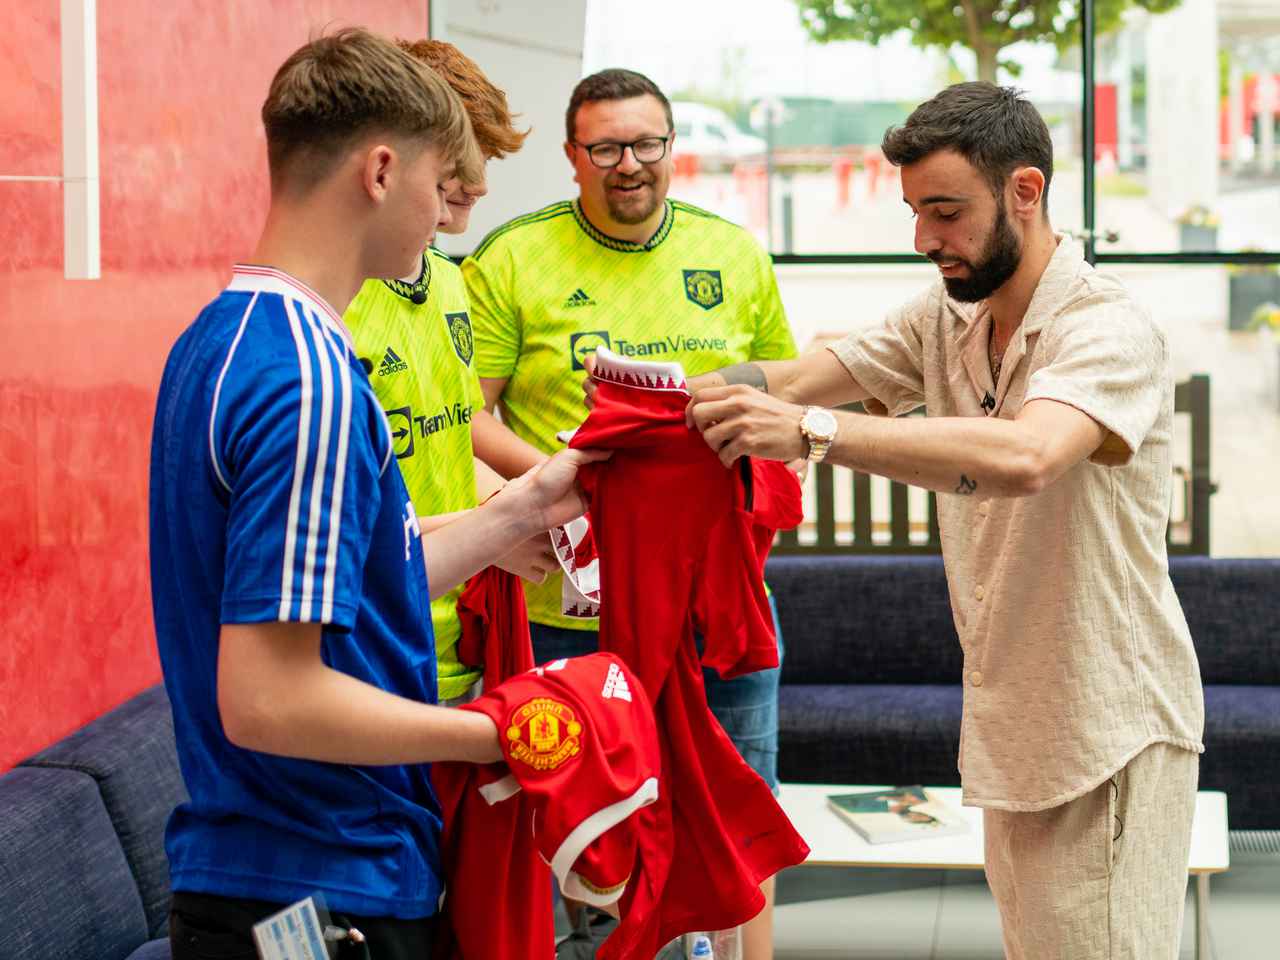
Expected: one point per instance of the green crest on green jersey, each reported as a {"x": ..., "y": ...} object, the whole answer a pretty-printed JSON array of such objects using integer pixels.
[
  {"x": 460, "y": 334},
  {"x": 703, "y": 287}
]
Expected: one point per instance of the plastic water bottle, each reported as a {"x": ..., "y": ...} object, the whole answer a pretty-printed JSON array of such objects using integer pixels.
[
  {"x": 715, "y": 945},
  {"x": 700, "y": 947}
]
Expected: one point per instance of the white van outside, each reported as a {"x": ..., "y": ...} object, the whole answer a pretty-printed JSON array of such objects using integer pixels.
[{"x": 709, "y": 134}]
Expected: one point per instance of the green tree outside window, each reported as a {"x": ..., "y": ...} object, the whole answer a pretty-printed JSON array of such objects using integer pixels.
[{"x": 984, "y": 26}]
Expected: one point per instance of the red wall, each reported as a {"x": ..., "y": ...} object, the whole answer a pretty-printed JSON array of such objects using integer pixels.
[{"x": 184, "y": 189}]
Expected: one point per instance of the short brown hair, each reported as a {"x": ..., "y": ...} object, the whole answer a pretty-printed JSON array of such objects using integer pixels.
[
  {"x": 612, "y": 84},
  {"x": 346, "y": 84},
  {"x": 995, "y": 128},
  {"x": 491, "y": 118}
]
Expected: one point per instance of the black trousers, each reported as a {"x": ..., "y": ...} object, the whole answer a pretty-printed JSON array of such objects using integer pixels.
[{"x": 205, "y": 927}]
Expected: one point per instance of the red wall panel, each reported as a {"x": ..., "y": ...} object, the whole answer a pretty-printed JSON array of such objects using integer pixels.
[{"x": 183, "y": 193}]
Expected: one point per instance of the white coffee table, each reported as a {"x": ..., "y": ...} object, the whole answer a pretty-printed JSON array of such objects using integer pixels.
[{"x": 833, "y": 843}]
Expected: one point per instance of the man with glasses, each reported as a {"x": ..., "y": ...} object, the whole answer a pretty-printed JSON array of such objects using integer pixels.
[{"x": 625, "y": 267}]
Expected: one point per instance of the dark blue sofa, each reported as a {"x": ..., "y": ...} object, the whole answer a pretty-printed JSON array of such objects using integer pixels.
[
  {"x": 869, "y": 695},
  {"x": 870, "y": 684},
  {"x": 83, "y": 874}
]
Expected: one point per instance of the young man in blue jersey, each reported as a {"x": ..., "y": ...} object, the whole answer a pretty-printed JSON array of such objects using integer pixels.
[{"x": 289, "y": 586}]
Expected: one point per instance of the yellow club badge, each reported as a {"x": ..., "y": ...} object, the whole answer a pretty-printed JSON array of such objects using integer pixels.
[{"x": 543, "y": 733}]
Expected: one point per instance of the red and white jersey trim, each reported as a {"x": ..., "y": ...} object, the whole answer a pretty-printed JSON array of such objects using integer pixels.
[
  {"x": 500, "y": 790},
  {"x": 251, "y": 277},
  {"x": 580, "y": 592},
  {"x": 586, "y": 833},
  {"x": 574, "y": 548},
  {"x": 612, "y": 368}
]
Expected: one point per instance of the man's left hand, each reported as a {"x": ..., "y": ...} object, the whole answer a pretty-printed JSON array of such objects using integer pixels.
[
  {"x": 739, "y": 421},
  {"x": 548, "y": 493}
]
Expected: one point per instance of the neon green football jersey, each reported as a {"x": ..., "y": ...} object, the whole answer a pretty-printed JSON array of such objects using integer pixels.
[
  {"x": 548, "y": 288},
  {"x": 419, "y": 358}
]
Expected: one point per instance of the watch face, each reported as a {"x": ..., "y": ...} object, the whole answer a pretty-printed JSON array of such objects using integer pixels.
[{"x": 821, "y": 423}]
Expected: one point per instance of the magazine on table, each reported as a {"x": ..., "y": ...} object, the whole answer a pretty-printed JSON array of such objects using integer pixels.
[{"x": 897, "y": 813}]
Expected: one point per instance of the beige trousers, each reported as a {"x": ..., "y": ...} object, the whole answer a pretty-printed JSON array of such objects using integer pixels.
[{"x": 1103, "y": 877}]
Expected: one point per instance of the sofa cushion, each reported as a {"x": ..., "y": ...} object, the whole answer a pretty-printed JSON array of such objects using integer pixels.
[
  {"x": 1231, "y": 606},
  {"x": 911, "y": 734},
  {"x": 859, "y": 619},
  {"x": 855, "y": 618},
  {"x": 1242, "y": 753},
  {"x": 130, "y": 753},
  {"x": 878, "y": 734},
  {"x": 65, "y": 888},
  {"x": 153, "y": 950}
]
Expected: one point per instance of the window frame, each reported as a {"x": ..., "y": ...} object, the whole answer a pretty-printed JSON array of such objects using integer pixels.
[{"x": 1088, "y": 50}]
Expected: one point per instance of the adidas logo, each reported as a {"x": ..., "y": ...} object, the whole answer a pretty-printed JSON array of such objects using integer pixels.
[
  {"x": 553, "y": 665},
  {"x": 391, "y": 363},
  {"x": 615, "y": 685},
  {"x": 579, "y": 298}
]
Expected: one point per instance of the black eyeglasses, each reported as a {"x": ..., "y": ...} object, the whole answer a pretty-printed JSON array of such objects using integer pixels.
[{"x": 608, "y": 153}]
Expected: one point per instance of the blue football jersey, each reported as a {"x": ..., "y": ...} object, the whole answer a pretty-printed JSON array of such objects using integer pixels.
[{"x": 275, "y": 497}]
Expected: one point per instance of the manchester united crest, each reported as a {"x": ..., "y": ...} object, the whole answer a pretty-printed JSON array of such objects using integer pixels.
[
  {"x": 544, "y": 734},
  {"x": 703, "y": 287},
  {"x": 460, "y": 334}
]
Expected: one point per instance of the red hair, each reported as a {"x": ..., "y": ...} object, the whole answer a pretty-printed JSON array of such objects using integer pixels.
[{"x": 491, "y": 119}]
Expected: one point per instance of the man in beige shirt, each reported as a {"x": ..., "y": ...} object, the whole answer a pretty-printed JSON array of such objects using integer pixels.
[{"x": 1050, "y": 413}]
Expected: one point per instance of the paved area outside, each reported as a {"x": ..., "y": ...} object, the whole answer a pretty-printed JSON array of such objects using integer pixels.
[{"x": 824, "y": 914}]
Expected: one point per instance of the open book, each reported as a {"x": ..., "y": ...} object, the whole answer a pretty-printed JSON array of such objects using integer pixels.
[{"x": 897, "y": 813}]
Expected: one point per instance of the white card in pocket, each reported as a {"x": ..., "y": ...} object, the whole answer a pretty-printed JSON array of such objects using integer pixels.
[{"x": 295, "y": 933}]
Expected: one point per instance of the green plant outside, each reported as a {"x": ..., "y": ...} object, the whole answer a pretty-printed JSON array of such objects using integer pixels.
[{"x": 1267, "y": 315}]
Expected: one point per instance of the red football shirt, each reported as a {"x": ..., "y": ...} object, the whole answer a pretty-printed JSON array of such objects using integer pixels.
[
  {"x": 495, "y": 625},
  {"x": 582, "y": 757},
  {"x": 682, "y": 542}
]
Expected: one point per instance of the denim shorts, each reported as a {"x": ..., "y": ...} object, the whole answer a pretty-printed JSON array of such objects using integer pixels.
[{"x": 747, "y": 706}]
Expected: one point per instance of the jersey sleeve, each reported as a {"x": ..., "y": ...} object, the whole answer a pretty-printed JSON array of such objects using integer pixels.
[
  {"x": 773, "y": 339},
  {"x": 599, "y": 876},
  {"x": 888, "y": 361},
  {"x": 1109, "y": 361},
  {"x": 300, "y": 448},
  {"x": 495, "y": 321}
]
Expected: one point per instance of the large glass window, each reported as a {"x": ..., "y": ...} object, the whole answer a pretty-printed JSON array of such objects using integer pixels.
[
  {"x": 1186, "y": 131},
  {"x": 1167, "y": 164},
  {"x": 781, "y": 132}
]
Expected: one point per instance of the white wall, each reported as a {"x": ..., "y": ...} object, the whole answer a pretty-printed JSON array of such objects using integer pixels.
[{"x": 532, "y": 51}]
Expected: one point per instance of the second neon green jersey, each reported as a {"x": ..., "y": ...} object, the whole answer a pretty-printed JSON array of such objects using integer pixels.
[
  {"x": 547, "y": 288},
  {"x": 419, "y": 357}
]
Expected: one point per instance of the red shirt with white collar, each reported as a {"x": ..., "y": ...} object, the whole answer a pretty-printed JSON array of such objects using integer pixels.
[
  {"x": 682, "y": 543},
  {"x": 582, "y": 757}
]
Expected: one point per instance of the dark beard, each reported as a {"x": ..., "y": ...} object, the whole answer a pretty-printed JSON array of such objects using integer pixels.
[
  {"x": 633, "y": 215},
  {"x": 1000, "y": 258}
]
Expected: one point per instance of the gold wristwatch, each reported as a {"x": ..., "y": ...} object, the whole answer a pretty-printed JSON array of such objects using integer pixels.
[{"x": 819, "y": 427}]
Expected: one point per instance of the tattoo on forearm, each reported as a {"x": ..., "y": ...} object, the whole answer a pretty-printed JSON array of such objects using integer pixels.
[
  {"x": 749, "y": 373},
  {"x": 966, "y": 486}
]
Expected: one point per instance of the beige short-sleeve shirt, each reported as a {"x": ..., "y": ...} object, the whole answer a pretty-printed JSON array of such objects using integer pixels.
[{"x": 1076, "y": 652}]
